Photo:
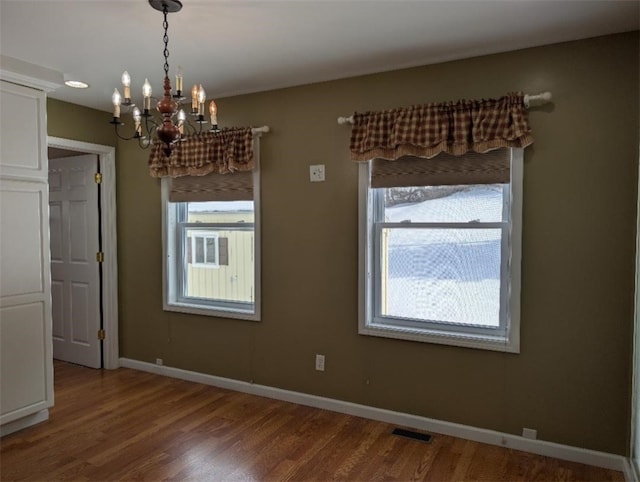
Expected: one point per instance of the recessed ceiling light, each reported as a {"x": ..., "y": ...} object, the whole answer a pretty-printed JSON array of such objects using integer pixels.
[{"x": 76, "y": 84}]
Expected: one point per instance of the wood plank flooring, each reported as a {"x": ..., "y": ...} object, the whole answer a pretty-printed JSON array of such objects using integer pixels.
[{"x": 130, "y": 425}]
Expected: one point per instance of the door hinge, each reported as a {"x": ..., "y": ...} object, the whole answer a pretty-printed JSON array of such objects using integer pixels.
[
  {"x": 101, "y": 335},
  {"x": 98, "y": 178},
  {"x": 100, "y": 257}
]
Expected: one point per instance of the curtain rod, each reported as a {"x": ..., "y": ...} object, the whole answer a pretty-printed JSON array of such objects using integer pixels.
[
  {"x": 260, "y": 130},
  {"x": 529, "y": 99}
]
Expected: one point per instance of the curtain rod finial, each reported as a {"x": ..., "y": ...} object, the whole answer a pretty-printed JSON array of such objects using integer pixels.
[
  {"x": 537, "y": 99},
  {"x": 260, "y": 130}
]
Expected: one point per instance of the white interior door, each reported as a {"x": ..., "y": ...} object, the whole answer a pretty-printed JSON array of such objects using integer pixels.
[{"x": 75, "y": 277}]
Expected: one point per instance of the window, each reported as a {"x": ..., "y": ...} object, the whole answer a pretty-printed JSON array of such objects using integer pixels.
[
  {"x": 441, "y": 263},
  {"x": 202, "y": 248},
  {"x": 211, "y": 252}
]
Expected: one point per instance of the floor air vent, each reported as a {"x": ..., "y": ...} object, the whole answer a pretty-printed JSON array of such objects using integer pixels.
[{"x": 423, "y": 437}]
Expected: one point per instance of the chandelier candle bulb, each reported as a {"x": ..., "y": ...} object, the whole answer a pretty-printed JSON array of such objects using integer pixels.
[
  {"x": 213, "y": 112},
  {"x": 126, "y": 83},
  {"x": 202, "y": 96},
  {"x": 146, "y": 93},
  {"x": 137, "y": 118},
  {"x": 181, "y": 118},
  {"x": 179, "y": 82},
  {"x": 194, "y": 99},
  {"x": 115, "y": 98}
]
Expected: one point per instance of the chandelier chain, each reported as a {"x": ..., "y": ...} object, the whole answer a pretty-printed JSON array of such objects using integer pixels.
[{"x": 165, "y": 25}]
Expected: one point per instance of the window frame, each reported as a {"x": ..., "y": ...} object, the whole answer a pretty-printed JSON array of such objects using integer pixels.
[
  {"x": 173, "y": 275},
  {"x": 506, "y": 338}
]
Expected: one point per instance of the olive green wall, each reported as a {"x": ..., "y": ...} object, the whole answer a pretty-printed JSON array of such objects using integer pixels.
[
  {"x": 62, "y": 121},
  {"x": 571, "y": 380}
]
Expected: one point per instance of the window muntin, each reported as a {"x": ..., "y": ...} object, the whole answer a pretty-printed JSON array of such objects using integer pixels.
[{"x": 441, "y": 263}]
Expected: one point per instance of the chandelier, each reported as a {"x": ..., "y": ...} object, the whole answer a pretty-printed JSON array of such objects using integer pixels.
[{"x": 170, "y": 128}]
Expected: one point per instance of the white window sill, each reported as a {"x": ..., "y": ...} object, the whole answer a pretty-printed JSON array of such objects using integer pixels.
[
  {"x": 483, "y": 342},
  {"x": 205, "y": 310}
]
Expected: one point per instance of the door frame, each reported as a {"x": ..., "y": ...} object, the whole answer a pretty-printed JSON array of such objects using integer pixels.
[
  {"x": 107, "y": 159},
  {"x": 634, "y": 442}
]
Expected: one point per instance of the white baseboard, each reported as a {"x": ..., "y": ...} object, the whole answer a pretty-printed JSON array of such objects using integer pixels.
[
  {"x": 540, "y": 447},
  {"x": 630, "y": 471},
  {"x": 24, "y": 422}
]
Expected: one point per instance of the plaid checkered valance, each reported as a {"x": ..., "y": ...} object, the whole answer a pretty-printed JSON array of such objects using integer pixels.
[
  {"x": 449, "y": 127},
  {"x": 223, "y": 152}
]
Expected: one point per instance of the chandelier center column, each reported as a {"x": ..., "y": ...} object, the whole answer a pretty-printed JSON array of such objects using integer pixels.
[{"x": 168, "y": 133}]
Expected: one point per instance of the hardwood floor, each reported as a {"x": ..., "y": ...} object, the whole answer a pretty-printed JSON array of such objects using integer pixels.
[{"x": 130, "y": 425}]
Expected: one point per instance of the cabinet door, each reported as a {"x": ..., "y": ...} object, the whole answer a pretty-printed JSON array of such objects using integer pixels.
[
  {"x": 23, "y": 130},
  {"x": 26, "y": 364},
  {"x": 23, "y": 369}
]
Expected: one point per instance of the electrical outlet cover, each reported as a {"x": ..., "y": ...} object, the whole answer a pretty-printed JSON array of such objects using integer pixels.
[{"x": 316, "y": 173}]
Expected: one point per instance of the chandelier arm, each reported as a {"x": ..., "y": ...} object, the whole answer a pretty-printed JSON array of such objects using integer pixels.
[
  {"x": 191, "y": 128},
  {"x": 154, "y": 125},
  {"x": 119, "y": 135},
  {"x": 144, "y": 142},
  {"x": 188, "y": 126}
]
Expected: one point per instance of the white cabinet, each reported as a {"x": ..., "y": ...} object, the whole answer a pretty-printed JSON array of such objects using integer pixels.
[
  {"x": 26, "y": 362},
  {"x": 24, "y": 136}
]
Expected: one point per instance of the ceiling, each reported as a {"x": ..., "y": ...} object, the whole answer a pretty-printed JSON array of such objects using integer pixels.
[{"x": 241, "y": 46}]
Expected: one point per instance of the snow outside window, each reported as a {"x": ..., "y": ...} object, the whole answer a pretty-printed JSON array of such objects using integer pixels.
[{"x": 442, "y": 263}]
